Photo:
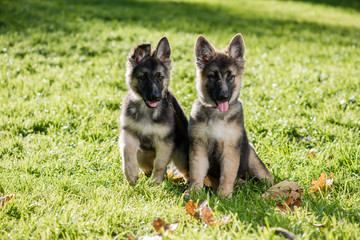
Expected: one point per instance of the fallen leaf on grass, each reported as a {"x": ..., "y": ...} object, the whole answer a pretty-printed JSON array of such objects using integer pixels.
[
  {"x": 323, "y": 183},
  {"x": 204, "y": 214},
  {"x": 168, "y": 228},
  {"x": 191, "y": 208},
  {"x": 176, "y": 178},
  {"x": 207, "y": 216},
  {"x": 312, "y": 153},
  {"x": 288, "y": 190},
  {"x": 284, "y": 189},
  {"x": 158, "y": 225},
  {"x": 5, "y": 199},
  {"x": 146, "y": 174},
  {"x": 289, "y": 202}
]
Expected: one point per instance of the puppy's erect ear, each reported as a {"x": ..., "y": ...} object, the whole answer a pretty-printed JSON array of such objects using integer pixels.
[
  {"x": 204, "y": 51},
  {"x": 236, "y": 48},
  {"x": 163, "y": 50},
  {"x": 140, "y": 52}
]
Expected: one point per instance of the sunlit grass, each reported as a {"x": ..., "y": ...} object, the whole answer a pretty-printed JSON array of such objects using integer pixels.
[{"x": 62, "y": 66}]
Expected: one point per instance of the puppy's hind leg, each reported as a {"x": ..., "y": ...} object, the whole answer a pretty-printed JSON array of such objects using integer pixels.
[
  {"x": 129, "y": 146},
  {"x": 257, "y": 168},
  {"x": 180, "y": 159}
]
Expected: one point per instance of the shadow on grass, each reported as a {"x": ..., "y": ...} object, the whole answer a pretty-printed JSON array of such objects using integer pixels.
[
  {"x": 70, "y": 17},
  {"x": 250, "y": 208}
]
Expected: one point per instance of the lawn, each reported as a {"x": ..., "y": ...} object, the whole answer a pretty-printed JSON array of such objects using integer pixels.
[{"x": 62, "y": 67}]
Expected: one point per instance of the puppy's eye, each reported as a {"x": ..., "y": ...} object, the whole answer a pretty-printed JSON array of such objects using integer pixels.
[
  {"x": 231, "y": 78},
  {"x": 212, "y": 77},
  {"x": 158, "y": 77},
  {"x": 143, "y": 76}
]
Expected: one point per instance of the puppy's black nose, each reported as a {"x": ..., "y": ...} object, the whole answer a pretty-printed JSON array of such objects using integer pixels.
[
  {"x": 223, "y": 96},
  {"x": 155, "y": 96}
]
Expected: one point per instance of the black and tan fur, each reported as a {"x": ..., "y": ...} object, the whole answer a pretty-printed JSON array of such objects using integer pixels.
[
  {"x": 152, "y": 123},
  {"x": 219, "y": 147}
]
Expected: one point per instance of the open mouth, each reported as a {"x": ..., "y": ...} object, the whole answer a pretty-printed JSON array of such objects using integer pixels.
[
  {"x": 152, "y": 104},
  {"x": 223, "y": 105}
]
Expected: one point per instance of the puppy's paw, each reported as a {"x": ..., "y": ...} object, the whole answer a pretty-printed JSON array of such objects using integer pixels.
[
  {"x": 132, "y": 181},
  {"x": 186, "y": 194},
  {"x": 224, "y": 193},
  {"x": 191, "y": 191},
  {"x": 157, "y": 181}
]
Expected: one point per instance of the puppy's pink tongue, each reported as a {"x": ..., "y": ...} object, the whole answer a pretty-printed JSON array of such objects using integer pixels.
[
  {"x": 223, "y": 106},
  {"x": 153, "y": 104}
]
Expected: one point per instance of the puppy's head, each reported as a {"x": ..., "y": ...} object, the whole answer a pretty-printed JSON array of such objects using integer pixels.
[
  {"x": 219, "y": 73},
  {"x": 148, "y": 72}
]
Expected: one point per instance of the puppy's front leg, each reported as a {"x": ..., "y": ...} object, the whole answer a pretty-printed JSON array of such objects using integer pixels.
[
  {"x": 162, "y": 159},
  {"x": 229, "y": 168},
  {"x": 199, "y": 165},
  {"x": 129, "y": 145}
]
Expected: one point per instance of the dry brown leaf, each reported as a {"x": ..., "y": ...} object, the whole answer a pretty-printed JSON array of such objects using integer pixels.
[
  {"x": 146, "y": 174},
  {"x": 284, "y": 189},
  {"x": 191, "y": 208},
  {"x": 281, "y": 207},
  {"x": 204, "y": 214},
  {"x": 176, "y": 178},
  {"x": 289, "y": 202},
  {"x": 312, "y": 153},
  {"x": 324, "y": 182},
  {"x": 160, "y": 223},
  {"x": 6, "y": 198},
  {"x": 207, "y": 216}
]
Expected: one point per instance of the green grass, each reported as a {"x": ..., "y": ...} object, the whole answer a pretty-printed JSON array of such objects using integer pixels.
[{"x": 62, "y": 66}]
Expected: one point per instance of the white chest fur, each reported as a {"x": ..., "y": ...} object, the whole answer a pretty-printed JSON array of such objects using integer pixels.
[
  {"x": 222, "y": 130},
  {"x": 146, "y": 127},
  {"x": 215, "y": 129}
]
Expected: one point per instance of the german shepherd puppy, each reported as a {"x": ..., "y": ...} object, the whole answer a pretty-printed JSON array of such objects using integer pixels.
[
  {"x": 152, "y": 124},
  {"x": 219, "y": 147}
]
